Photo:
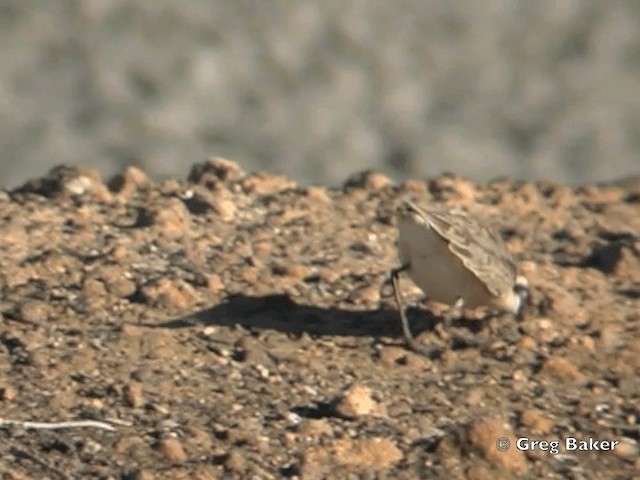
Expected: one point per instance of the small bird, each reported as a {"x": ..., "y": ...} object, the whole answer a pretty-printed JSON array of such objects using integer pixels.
[{"x": 455, "y": 260}]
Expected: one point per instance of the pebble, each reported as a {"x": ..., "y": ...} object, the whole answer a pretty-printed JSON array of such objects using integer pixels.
[
  {"x": 171, "y": 448},
  {"x": 357, "y": 401},
  {"x": 133, "y": 395},
  {"x": 483, "y": 435},
  {"x": 562, "y": 369},
  {"x": 537, "y": 422}
]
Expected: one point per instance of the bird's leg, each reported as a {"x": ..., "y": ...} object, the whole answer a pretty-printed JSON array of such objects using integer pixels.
[
  {"x": 410, "y": 340},
  {"x": 452, "y": 314},
  {"x": 455, "y": 312}
]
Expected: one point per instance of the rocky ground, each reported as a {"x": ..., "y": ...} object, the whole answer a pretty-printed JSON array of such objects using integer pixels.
[{"x": 239, "y": 326}]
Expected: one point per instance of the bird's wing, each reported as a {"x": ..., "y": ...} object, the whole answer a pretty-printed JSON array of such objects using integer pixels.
[{"x": 479, "y": 248}]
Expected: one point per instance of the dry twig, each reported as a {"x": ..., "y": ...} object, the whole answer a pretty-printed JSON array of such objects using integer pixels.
[{"x": 56, "y": 425}]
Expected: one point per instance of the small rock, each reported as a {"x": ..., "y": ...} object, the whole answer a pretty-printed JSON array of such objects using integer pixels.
[
  {"x": 366, "y": 295},
  {"x": 314, "y": 428},
  {"x": 250, "y": 274},
  {"x": 417, "y": 187},
  {"x": 225, "y": 209},
  {"x": 536, "y": 422},
  {"x": 264, "y": 183},
  {"x": 368, "y": 180},
  {"x": 527, "y": 343},
  {"x": 92, "y": 287},
  {"x": 172, "y": 449},
  {"x": 451, "y": 187},
  {"x": 199, "y": 436},
  {"x": 318, "y": 194},
  {"x": 170, "y": 294},
  {"x": 8, "y": 393},
  {"x": 588, "y": 343},
  {"x": 541, "y": 330},
  {"x": 133, "y": 395},
  {"x": 297, "y": 271},
  {"x": 127, "y": 330},
  {"x": 66, "y": 181},
  {"x": 241, "y": 434},
  {"x": 475, "y": 397},
  {"x": 262, "y": 249},
  {"x": 565, "y": 305},
  {"x": 376, "y": 453},
  {"x": 528, "y": 194},
  {"x": 393, "y": 356},
  {"x": 628, "y": 448},
  {"x": 235, "y": 462},
  {"x": 377, "y": 181},
  {"x": 34, "y": 311},
  {"x": 215, "y": 169},
  {"x": 483, "y": 435},
  {"x": 172, "y": 220},
  {"x": 316, "y": 464},
  {"x": 214, "y": 283},
  {"x": 129, "y": 182},
  {"x": 116, "y": 281},
  {"x": 200, "y": 199},
  {"x": 38, "y": 358},
  {"x": 611, "y": 338},
  {"x": 129, "y": 445},
  {"x": 140, "y": 475},
  {"x": 562, "y": 369},
  {"x": 560, "y": 197},
  {"x": 290, "y": 439},
  {"x": 357, "y": 401},
  {"x": 372, "y": 454}
]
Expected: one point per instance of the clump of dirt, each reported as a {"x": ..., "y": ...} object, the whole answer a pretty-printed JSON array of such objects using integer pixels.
[{"x": 239, "y": 325}]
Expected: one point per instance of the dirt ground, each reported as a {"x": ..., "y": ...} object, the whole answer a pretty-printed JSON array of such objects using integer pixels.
[{"x": 239, "y": 326}]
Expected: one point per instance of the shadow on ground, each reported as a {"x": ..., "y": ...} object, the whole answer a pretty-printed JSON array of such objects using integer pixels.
[{"x": 280, "y": 313}]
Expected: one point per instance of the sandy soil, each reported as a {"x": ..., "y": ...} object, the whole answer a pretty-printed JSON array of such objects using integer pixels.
[{"x": 239, "y": 326}]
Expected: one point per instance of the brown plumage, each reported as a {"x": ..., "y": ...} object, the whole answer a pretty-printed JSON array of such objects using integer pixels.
[{"x": 455, "y": 259}]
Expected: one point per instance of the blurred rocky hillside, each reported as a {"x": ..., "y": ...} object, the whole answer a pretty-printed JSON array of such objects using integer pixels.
[{"x": 318, "y": 90}]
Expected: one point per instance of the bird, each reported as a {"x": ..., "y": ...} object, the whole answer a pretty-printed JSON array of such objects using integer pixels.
[{"x": 455, "y": 259}]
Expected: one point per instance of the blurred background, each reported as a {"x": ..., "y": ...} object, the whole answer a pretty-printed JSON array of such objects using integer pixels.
[{"x": 320, "y": 89}]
